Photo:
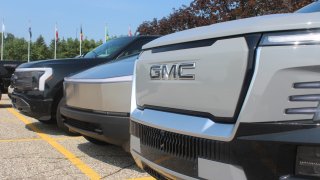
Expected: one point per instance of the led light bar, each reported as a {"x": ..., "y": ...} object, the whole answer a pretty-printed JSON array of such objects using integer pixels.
[{"x": 291, "y": 38}]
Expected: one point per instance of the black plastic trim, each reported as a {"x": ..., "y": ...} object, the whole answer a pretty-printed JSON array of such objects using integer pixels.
[
  {"x": 108, "y": 128},
  {"x": 187, "y": 112},
  {"x": 108, "y": 113},
  {"x": 32, "y": 107},
  {"x": 252, "y": 42},
  {"x": 185, "y": 45}
]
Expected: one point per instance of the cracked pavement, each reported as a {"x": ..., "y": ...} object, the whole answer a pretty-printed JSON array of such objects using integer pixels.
[{"x": 24, "y": 155}]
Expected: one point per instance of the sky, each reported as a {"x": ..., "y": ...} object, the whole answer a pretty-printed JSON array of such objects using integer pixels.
[{"x": 93, "y": 15}]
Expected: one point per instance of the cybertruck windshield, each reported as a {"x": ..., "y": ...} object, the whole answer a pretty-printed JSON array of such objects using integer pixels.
[{"x": 107, "y": 49}]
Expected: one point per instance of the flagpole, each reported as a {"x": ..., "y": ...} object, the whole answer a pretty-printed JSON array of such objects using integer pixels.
[
  {"x": 80, "y": 39},
  {"x": 2, "y": 43},
  {"x": 29, "y": 49},
  {"x": 80, "y": 44},
  {"x": 30, "y": 35},
  {"x": 2, "y": 46},
  {"x": 55, "y": 41},
  {"x": 105, "y": 33}
]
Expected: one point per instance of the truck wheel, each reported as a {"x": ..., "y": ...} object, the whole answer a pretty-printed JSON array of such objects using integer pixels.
[
  {"x": 47, "y": 121},
  {"x": 95, "y": 141},
  {"x": 60, "y": 120}
]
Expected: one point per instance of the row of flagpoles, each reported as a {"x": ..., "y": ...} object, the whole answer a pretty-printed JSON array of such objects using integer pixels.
[{"x": 56, "y": 38}]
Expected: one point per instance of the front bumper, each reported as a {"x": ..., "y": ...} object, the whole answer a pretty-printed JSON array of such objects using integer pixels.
[
  {"x": 112, "y": 128},
  {"x": 257, "y": 151},
  {"x": 36, "y": 108}
]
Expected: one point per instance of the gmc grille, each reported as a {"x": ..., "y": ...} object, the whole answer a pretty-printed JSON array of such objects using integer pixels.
[{"x": 182, "y": 146}]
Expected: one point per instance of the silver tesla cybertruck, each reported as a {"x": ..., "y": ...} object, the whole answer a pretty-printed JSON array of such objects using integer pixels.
[
  {"x": 234, "y": 100},
  {"x": 97, "y": 102}
]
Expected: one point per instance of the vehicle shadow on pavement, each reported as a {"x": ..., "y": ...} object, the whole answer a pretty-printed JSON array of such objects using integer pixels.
[
  {"x": 110, "y": 154},
  {"x": 50, "y": 129},
  {"x": 5, "y": 105}
]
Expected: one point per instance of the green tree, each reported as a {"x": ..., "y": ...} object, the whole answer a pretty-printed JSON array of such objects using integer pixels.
[
  {"x": 39, "y": 50},
  {"x": 15, "y": 48}
]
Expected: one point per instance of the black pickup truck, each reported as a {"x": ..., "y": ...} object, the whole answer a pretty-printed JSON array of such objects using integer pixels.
[
  {"x": 38, "y": 86},
  {"x": 6, "y": 70}
]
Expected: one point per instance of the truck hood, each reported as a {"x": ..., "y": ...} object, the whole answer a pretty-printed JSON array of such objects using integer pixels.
[
  {"x": 122, "y": 67},
  {"x": 52, "y": 62},
  {"x": 267, "y": 23}
]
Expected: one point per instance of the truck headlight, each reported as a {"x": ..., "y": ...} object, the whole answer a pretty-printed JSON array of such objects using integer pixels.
[
  {"x": 302, "y": 37},
  {"x": 31, "y": 78}
]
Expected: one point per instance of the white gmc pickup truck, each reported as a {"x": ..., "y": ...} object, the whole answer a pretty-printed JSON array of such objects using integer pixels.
[{"x": 234, "y": 100}]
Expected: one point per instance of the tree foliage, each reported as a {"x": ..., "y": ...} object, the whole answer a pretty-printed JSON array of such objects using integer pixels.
[
  {"x": 205, "y": 12},
  {"x": 17, "y": 48}
]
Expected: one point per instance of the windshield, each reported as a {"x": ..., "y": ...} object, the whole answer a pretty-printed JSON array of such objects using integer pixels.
[
  {"x": 313, "y": 7},
  {"x": 109, "y": 48}
]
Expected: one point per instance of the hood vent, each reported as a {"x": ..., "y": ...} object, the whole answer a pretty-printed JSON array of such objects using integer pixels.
[
  {"x": 307, "y": 85},
  {"x": 306, "y": 98}
]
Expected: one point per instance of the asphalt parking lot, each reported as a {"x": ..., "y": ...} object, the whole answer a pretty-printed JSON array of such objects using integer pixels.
[{"x": 33, "y": 150}]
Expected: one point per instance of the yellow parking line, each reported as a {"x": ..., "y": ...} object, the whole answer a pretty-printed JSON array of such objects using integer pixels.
[
  {"x": 38, "y": 139},
  {"x": 70, "y": 156},
  {"x": 143, "y": 178},
  {"x": 20, "y": 140},
  {"x": 67, "y": 138}
]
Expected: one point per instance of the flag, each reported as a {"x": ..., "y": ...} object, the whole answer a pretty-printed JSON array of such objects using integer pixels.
[
  {"x": 30, "y": 33},
  {"x": 129, "y": 33},
  {"x": 57, "y": 33},
  {"x": 81, "y": 34},
  {"x": 4, "y": 30}
]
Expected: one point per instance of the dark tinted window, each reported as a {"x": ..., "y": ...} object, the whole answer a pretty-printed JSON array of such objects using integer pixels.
[
  {"x": 109, "y": 48},
  {"x": 313, "y": 7},
  {"x": 136, "y": 47}
]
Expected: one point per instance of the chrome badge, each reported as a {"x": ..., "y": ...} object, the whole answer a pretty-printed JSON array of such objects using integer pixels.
[{"x": 172, "y": 72}]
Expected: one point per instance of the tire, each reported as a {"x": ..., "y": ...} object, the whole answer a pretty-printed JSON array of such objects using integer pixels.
[
  {"x": 95, "y": 141},
  {"x": 47, "y": 121},
  {"x": 60, "y": 119}
]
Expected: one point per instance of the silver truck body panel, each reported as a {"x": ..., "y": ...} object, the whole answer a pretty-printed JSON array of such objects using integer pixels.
[
  {"x": 277, "y": 69},
  {"x": 105, "y": 88},
  {"x": 267, "y": 101},
  {"x": 112, "y": 97},
  {"x": 224, "y": 61}
]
